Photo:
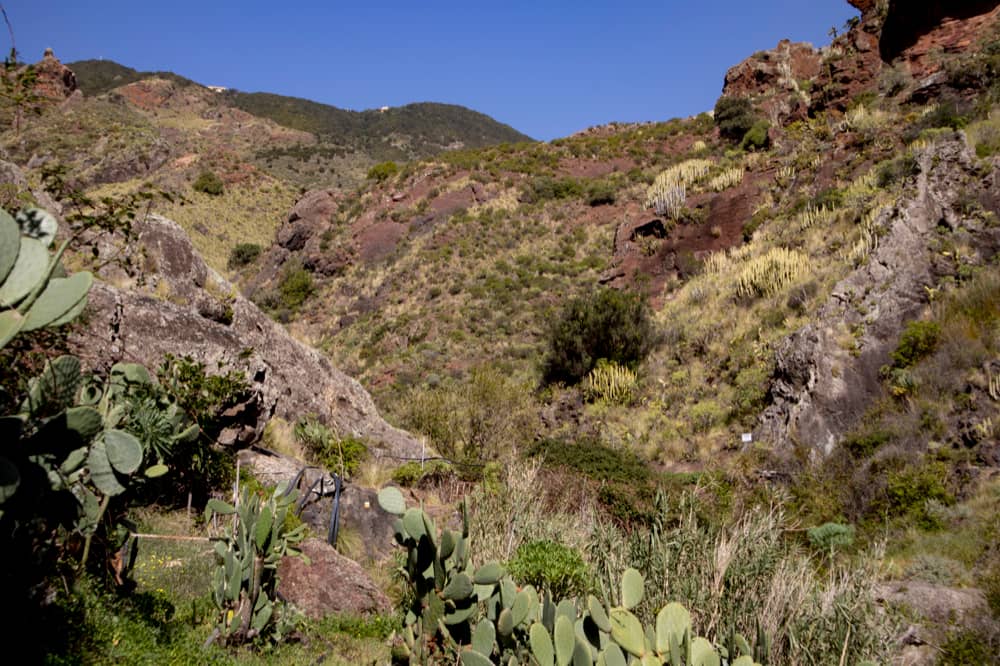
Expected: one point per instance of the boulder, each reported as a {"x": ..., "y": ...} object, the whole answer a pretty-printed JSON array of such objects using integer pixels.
[{"x": 328, "y": 583}]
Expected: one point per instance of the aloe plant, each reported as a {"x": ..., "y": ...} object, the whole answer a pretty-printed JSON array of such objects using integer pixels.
[{"x": 482, "y": 617}]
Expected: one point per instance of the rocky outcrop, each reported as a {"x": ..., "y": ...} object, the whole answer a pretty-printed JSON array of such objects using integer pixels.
[
  {"x": 915, "y": 28},
  {"x": 328, "y": 583},
  {"x": 178, "y": 305},
  {"x": 54, "y": 81},
  {"x": 776, "y": 79},
  {"x": 821, "y": 387}
]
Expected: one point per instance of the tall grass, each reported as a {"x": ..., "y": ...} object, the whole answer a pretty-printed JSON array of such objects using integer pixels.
[{"x": 748, "y": 574}]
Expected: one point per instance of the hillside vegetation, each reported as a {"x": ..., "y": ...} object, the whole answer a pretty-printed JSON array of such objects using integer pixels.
[{"x": 726, "y": 384}]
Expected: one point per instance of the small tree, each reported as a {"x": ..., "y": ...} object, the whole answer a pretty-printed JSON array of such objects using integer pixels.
[
  {"x": 734, "y": 117},
  {"x": 608, "y": 324}
]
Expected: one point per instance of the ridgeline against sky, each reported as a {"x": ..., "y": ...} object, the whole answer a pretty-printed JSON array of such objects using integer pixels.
[{"x": 548, "y": 69}]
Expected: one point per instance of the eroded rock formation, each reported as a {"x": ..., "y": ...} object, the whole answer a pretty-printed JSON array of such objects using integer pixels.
[
  {"x": 822, "y": 386},
  {"x": 178, "y": 305}
]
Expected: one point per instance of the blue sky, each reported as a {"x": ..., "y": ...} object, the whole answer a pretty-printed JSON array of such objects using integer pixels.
[{"x": 547, "y": 68}]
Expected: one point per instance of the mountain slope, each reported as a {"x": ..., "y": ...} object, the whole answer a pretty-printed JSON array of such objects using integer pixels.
[{"x": 357, "y": 138}]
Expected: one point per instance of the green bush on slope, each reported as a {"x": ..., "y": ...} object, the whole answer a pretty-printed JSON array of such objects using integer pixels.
[{"x": 609, "y": 324}]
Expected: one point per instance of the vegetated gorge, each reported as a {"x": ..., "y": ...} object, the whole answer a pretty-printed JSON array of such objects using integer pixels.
[{"x": 284, "y": 383}]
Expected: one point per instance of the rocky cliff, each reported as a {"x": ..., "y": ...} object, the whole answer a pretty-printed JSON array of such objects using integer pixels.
[
  {"x": 822, "y": 386},
  {"x": 175, "y": 304},
  {"x": 792, "y": 80}
]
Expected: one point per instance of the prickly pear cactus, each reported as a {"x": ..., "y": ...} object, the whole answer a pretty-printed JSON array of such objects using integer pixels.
[
  {"x": 31, "y": 295},
  {"x": 481, "y": 616},
  {"x": 244, "y": 585}
]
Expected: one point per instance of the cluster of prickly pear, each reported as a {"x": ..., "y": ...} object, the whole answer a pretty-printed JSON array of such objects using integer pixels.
[
  {"x": 484, "y": 618},
  {"x": 34, "y": 290},
  {"x": 446, "y": 590},
  {"x": 245, "y": 582},
  {"x": 71, "y": 438}
]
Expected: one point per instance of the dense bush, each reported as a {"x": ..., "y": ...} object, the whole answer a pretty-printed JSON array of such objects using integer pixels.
[
  {"x": 607, "y": 324},
  {"x": 485, "y": 418},
  {"x": 383, "y": 171},
  {"x": 918, "y": 340},
  {"x": 243, "y": 254},
  {"x": 545, "y": 188},
  {"x": 341, "y": 455},
  {"x": 601, "y": 194},
  {"x": 552, "y": 566},
  {"x": 897, "y": 170},
  {"x": 208, "y": 183},
  {"x": 295, "y": 287},
  {"x": 594, "y": 460},
  {"x": 756, "y": 137},
  {"x": 735, "y": 117}
]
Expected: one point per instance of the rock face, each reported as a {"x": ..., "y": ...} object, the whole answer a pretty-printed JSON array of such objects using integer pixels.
[
  {"x": 55, "y": 82},
  {"x": 907, "y": 34},
  {"x": 330, "y": 583},
  {"x": 914, "y": 29},
  {"x": 180, "y": 306},
  {"x": 821, "y": 387},
  {"x": 776, "y": 75}
]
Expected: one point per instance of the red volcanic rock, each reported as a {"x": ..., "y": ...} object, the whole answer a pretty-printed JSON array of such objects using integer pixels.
[
  {"x": 863, "y": 6},
  {"x": 55, "y": 81},
  {"x": 772, "y": 78},
  {"x": 948, "y": 28}
]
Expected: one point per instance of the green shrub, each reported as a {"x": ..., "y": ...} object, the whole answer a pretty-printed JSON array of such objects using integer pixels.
[
  {"x": 967, "y": 647},
  {"x": 594, "y": 460},
  {"x": 553, "y": 566},
  {"x": 295, "y": 287},
  {"x": 601, "y": 194},
  {"x": 208, "y": 183},
  {"x": 414, "y": 474},
  {"x": 757, "y": 138},
  {"x": 482, "y": 419},
  {"x": 383, "y": 171},
  {"x": 829, "y": 536},
  {"x": 608, "y": 324},
  {"x": 897, "y": 169},
  {"x": 865, "y": 442},
  {"x": 341, "y": 455},
  {"x": 243, "y": 254},
  {"x": 734, "y": 116},
  {"x": 830, "y": 198},
  {"x": 545, "y": 188},
  {"x": 918, "y": 340},
  {"x": 908, "y": 490}
]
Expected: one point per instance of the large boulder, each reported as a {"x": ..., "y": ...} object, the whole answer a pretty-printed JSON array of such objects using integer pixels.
[
  {"x": 171, "y": 302},
  {"x": 328, "y": 583}
]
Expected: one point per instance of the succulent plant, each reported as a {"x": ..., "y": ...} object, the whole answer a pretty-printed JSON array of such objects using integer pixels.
[
  {"x": 245, "y": 583},
  {"x": 32, "y": 293},
  {"x": 483, "y": 616}
]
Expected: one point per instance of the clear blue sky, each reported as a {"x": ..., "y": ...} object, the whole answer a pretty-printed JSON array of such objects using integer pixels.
[{"x": 547, "y": 68}]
